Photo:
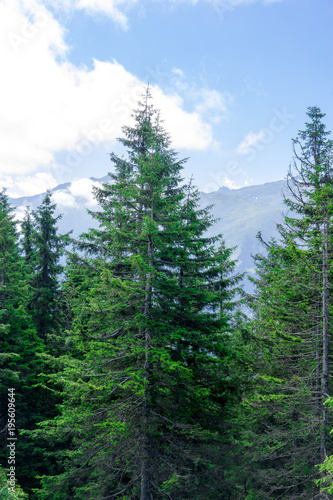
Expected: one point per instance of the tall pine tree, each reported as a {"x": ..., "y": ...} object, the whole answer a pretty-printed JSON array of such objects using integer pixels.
[
  {"x": 292, "y": 324},
  {"x": 148, "y": 385}
]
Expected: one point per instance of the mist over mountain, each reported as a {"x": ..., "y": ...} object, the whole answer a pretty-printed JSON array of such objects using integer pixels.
[{"x": 240, "y": 213}]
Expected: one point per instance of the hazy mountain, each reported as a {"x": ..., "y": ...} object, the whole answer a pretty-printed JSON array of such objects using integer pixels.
[{"x": 241, "y": 212}]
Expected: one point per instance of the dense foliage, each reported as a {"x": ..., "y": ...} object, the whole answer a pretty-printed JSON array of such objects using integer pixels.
[
  {"x": 138, "y": 372},
  {"x": 291, "y": 424},
  {"x": 151, "y": 379}
]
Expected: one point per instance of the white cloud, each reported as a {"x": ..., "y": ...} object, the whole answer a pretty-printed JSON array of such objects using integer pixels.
[
  {"x": 182, "y": 126},
  {"x": 177, "y": 72},
  {"x": 112, "y": 8},
  {"x": 115, "y": 9},
  {"x": 28, "y": 185},
  {"x": 78, "y": 194},
  {"x": 19, "y": 214},
  {"x": 231, "y": 184},
  {"x": 83, "y": 188},
  {"x": 208, "y": 103},
  {"x": 222, "y": 180},
  {"x": 251, "y": 139},
  {"x": 212, "y": 100},
  {"x": 49, "y": 105},
  {"x": 63, "y": 199}
]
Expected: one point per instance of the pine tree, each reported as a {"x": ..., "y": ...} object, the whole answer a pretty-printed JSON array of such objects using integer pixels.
[
  {"x": 27, "y": 237},
  {"x": 24, "y": 351},
  {"x": 148, "y": 386},
  {"x": 313, "y": 201},
  {"x": 292, "y": 325},
  {"x": 43, "y": 247},
  {"x": 19, "y": 348},
  {"x": 284, "y": 426},
  {"x": 11, "y": 279}
]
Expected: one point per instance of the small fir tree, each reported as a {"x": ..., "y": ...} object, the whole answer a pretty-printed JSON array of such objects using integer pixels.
[{"x": 44, "y": 246}]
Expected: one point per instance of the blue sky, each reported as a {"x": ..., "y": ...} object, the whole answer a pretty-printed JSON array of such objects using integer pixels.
[{"x": 233, "y": 80}]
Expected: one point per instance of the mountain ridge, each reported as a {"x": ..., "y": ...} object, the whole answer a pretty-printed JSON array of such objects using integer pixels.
[{"x": 240, "y": 213}]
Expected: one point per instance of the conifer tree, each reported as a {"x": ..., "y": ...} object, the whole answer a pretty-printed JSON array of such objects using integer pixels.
[
  {"x": 282, "y": 419},
  {"x": 313, "y": 200},
  {"x": 292, "y": 324},
  {"x": 29, "y": 312},
  {"x": 27, "y": 230},
  {"x": 43, "y": 246},
  {"x": 148, "y": 387},
  {"x": 11, "y": 281},
  {"x": 19, "y": 349}
]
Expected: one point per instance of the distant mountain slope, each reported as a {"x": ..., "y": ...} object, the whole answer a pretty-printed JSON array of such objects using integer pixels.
[{"x": 241, "y": 212}]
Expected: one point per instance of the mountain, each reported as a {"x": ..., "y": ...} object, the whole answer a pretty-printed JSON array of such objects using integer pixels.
[
  {"x": 240, "y": 213},
  {"x": 243, "y": 213}
]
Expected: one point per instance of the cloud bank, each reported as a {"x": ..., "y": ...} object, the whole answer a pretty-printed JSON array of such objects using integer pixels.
[
  {"x": 78, "y": 194},
  {"x": 49, "y": 105}
]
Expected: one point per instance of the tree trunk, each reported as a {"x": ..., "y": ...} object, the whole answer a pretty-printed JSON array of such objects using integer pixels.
[
  {"x": 145, "y": 488},
  {"x": 318, "y": 398},
  {"x": 325, "y": 319},
  {"x": 324, "y": 386}
]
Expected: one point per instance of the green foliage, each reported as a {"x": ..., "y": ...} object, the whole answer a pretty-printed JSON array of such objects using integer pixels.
[
  {"x": 43, "y": 248},
  {"x": 27, "y": 229},
  {"x": 149, "y": 383},
  {"x": 139, "y": 376},
  {"x": 19, "y": 343},
  {"x": 6, "y": 492},
  {"x": 287, "y": 435},
  {"x": 23, "y": 350}
]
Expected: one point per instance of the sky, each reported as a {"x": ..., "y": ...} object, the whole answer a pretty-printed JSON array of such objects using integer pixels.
[{"x": 232, "y": 78}]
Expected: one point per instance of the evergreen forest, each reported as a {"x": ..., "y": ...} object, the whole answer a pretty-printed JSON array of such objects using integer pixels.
[{"x": 133, "y": 364}]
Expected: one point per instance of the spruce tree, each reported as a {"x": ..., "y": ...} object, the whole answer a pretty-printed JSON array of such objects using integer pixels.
[
  {"x": 43, "y": 247},
  {"x": 19, "y": 349},
  {"x": 27, "y": 229},
  {"x": 11, "y": 287},
  {"x": 292, "y": 325},
  {"x": 148, "y": 385},
  {"x": 282, "y": 415}
]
